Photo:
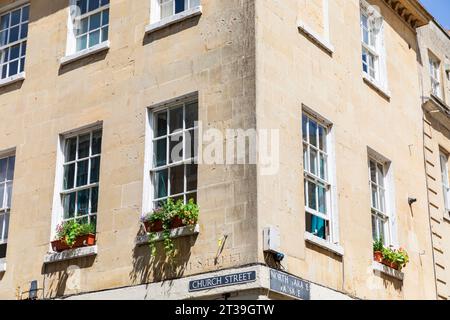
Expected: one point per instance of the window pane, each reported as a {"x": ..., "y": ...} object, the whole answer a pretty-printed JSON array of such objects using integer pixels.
[
  {"x": 95, "y": 169},
  {"x": 177, "y": 180},
  {"x": 4, "y": 21},
  {"x": 176, "y": 148},
  {"x": 82, "y": 4},
  {"x": 14, "y": 52},
  {"x": 14, "y": 34},
  {"x": 83, "y": 26},
  {"x": 373, "y": 171},
  {"x": 179, "y": 6},
  {"x": 2, "y": 195},
  {"x": 69, "y": 205},
  {"x": 24, "y": 31},
  {"x": 94, "y": 38},
  {"x": 160, "y": 153},
  {"x": 323, "y": 167},
  {"x": 96, "y": 142},
  {"x": 190, "y": 144},
  {"x": 83, "y": 202},
  {"x": 160, "y": 184},
  {"x": 95, "y": 21},
  {"x": 83, "y": 146},
  {"x": 374, "y": 197},
  {"x": 82, "y": 43},
  {"x": 322, "y": 197},
  {"x": 94, "y": 4},
  {"x": 191, "y": 114},
  {"x": 25, "y": 13},
  {"x": 15, "y": 17},
  {"x": 69, "y": 176},
  {"x": 312, "y": 133},
  {"x": 13, "y": 68},
  {"x": 8, "y": 194},
  {"x": 375, "y": 234},
  {"x": 71, "y": 149},
  {"x": 176, "y": 119},
  {"x": 191, "y": 176},
  {"x": 313, "y": 161},
  {"x": 305, "y": 158},
  {"x": 192, "y": 196},
  {"x": 105, "y": 17},
  {"x": 322, "y": 139},
  {"x": 82, "y": 173},
  {"x": 104, "y": 34},
  {"x": 161, "y": 124},
  {"x": 304, "y": 128},
  {"x": 166, "y": 8},
  {"x": 11, "y": 165},
  {"x": 94, "y": 200},
  {"x": 3, "y": 168},
  {"x": 312, "y": 201}
]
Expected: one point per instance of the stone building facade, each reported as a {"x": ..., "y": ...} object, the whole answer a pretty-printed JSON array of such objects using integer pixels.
[{"x": 88, "y": 93}]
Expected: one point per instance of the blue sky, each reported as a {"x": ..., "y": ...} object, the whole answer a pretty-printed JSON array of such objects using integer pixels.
[{"x": 440, "y": 9}]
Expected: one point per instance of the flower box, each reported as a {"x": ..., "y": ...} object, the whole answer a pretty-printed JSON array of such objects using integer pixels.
[
  {"x": 155, "y": 226},
  {"x": 82, "y": 241}
]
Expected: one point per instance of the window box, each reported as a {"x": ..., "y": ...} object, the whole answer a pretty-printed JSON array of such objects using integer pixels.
[
  {"x": 332, "y": 247},
  {"x": 186, "y": 231},
  {"x": 82, "y": 241},
  {"x": 379, "y": 267},
  {"x": 157, "y": 226},
  {"x": 176, "y": 18},
  {"x": 71, "y": 254}
]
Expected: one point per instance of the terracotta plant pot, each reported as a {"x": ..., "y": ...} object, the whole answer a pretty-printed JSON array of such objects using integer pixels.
[
  {"x": 390, "y": 264},
  {"x": 378, "y": 256},
  {"x": 176, "y": 223},
  {"x": 82, "y": 241},
  {"x": 155, "y": 226}
]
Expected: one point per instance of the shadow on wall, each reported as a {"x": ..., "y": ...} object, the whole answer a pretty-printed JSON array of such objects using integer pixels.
[
  {"x": 147, "y": 268},
  {"x": 166, "y": 32},
  {"x": 64, "y": 278}
]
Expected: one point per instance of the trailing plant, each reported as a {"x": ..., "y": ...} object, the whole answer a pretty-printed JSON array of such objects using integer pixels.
[
  {"x": 188, "y": 213},
  {"x": 69, "y": 231}
]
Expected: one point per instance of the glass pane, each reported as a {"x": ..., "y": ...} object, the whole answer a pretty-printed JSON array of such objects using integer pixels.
[
  {"x": 14, "y": 52},
  {"x": 25, "y": 13},
  {"x": 191, "y": 114},
  {"x": 305, "y": 158},
  {"x": 4, "y": 21},
  {"x": 161, "y": 184},
  {"x": 6, "y": 226},
  {"x": 312, "y": 201},
  {"x": 191, "y": 176},
  {"x": 3, "y": 168},
  {"x": 190, "y": 144},
  {"x": 166, "y": 8},
  {"x": 160, "y": 153},
  {"x": 322, "y": 139},
  {"x": 373, "y": 172},
  {"x": 176, "y": 119},
  {"x": 69, "y": 176},
  {"x": 95, "y": 169},
  {"x": 24, "y": 31},
  {"x": 82, "y": 26},
  {"x": 192, "y": 196},
  {"x": 82, "y": 173},
  {"x": 11, "y": 166},
  {"x": 9, "y": 194},
  {"x": 14, "y": 34},
  {"x": 83, "y": 146},
  {"x": 83, "y": 202},
  {"x": 382, "y": 201},
  {"x": 105, "y": 17},
  {"x": 82, "y": 4},
  {"x": 304, "y": 128},
  {"x": 322, "y": 197},
  {"x": 2, "y": 196},
  {"x": 94, "y": 4},
  {"x": 94, "y": 200},
  {"x": 104, "y": 34},
  {"x": 94, "y": 38},
  {"x": 176, "y": 148},
  {"x": 15, "y": 17},
  {"x": 3, "y": 41},
  {"x": 312, "y": 133},
  {"x": 161, "y": 124},
  {"x": 179, "y": 6},
  {"x": 13, "y": 68},
  {"x": 69, "y": 205},
  {"x": 82, "y": 43},
  {"x": 374, "y": 197},
  {"x": 313, "y": 161},
  {"x": 177, "y": 180},
  {"x": 97, "y": 142},
  {"x": 71, "y": 149},
  {"x": 95, "y": 21},
  {"x": 380, "y": 173},
  {"x": 375, "y": 235},
  {"x": 93, "y": 221},
  {"x": 323, "y": 167}
]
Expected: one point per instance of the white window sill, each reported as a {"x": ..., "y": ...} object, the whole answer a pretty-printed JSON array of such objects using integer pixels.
[
  {"x": 2, "y": 265},
  {"x": 317, "y": 39},
  {"x": 377, "y": 87},
  {"x": 70, "y": 254},
  {"x": 85, "y": 53},
  {"x": 10, "y": 80},
  {"x": 379, "y": 267},
  {"x": 176, "y": 18},
  {"x": 175, "y": 233},
  {"x": 335, "y": 248}
]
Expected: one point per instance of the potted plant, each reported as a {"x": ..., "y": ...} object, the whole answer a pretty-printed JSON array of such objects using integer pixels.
[
  {"x": 154, "y": 221},
  {"x": 378, "y": 250},
  {"x": 71, "y": 234}
]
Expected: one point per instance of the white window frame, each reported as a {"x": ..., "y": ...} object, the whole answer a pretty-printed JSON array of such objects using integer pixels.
[
  {"x": 443, "y": 157},
  {"x": 21, "y": 60},
  {"x": 155, "y": 9},
  {"x": 332, "y": 215},
  {"x": 5, "y": 210},
  {"x": 375, "y": 47},
  {"x": 58, "y": 205},
  {"x": 71, "y": 48},
  {"x": 390, "y": 225},
  {"x": 148, "y": 187},
  {"x": 435, "y": 76}
]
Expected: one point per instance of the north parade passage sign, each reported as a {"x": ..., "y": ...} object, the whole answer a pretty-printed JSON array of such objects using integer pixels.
[{"x": 286, "y": 284}]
